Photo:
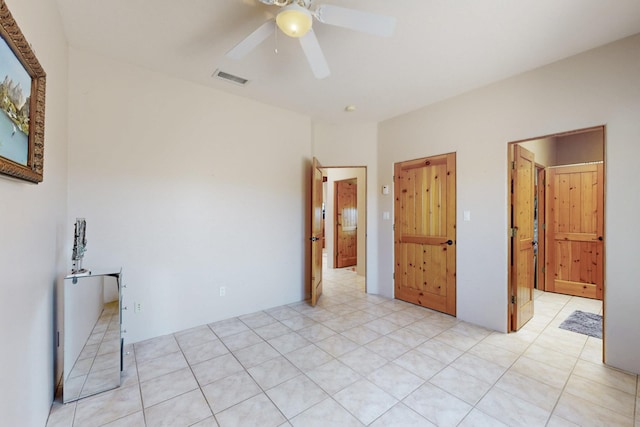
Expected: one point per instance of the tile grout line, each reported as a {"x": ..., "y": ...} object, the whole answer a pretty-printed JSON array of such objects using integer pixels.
[
  {"x": 254, "y": 380},
  {"x": 338, "y": 299},
  {"x": 246, "y": 370},
  {"x": 572, "y": 368},
  {"x": 562, "y": 392},
  {"x": 135, "y": 358},
  {"x": 196, "y": 378},
  {"x": 572, "y": 373}
]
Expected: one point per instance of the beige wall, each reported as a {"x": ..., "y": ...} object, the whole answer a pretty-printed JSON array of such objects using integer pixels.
[
  {"x": 544, "y": 150},
  {"x": 594, "y": 88},
  {"x": 580, "y": 148},
  {"x": 187, "y": 189},
  {"x": 33, "y": 236},
  {"x": 569, "y": 149}
]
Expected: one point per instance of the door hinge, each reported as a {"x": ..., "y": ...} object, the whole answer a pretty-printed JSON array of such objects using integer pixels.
[
  {"x": 544, "y": 226},
  {"x": 544, "y": 269},
  {"x": 57, "y": 338},
  {"x": 513, "y": 232},
  {"x": 513, "y": 165},
  {"x": 393, "y": 178},
  {"x": 513, "y": 299},
  {"x": 394, "y": 227}
]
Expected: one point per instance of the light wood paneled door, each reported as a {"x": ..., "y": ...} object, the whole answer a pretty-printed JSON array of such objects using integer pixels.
[
  {"x": 541, "y": 195},
  {"x": 575, "y": 234},
  {"x": 316, "y": 232},
  {"x": 425, "y": 232},
  {"x": 346, "y": 203},
  {"x": 522, "y": 242}
]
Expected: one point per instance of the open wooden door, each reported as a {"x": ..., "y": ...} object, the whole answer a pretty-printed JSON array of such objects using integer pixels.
[
  {"x": 425, "y": 232},
  {"x": 316, "y": 232},
  {"x": 346, "y": 221},
  {"x": 575, "y": 198},
  {"x": 522, "y": 242}
]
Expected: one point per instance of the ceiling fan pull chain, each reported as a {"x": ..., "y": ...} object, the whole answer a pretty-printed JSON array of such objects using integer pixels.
[{"x": 275, "y": 29}]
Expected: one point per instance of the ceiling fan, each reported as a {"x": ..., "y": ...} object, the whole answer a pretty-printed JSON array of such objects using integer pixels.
[{"x": 295, "y": 19}]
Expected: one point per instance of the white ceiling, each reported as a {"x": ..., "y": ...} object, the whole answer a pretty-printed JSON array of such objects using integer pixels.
[{"x": 441, "y": 48}]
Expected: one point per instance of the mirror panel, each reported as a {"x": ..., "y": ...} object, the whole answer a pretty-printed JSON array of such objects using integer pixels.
[{"x": 92, "y": 340}]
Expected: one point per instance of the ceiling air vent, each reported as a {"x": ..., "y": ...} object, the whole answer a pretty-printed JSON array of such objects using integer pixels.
[{"x": 230, "y": 78}]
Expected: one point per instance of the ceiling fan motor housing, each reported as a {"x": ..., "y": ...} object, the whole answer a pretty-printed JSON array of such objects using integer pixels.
[
  {"x": 276, "y": 2},
  {"x": 282, "y": 3}
]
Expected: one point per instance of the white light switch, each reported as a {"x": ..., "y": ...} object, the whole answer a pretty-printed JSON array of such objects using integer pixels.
[
  {"x": 385, "y": 215},
  {"x": 385, "y": 189},
  {"x": 467, "y": 215}
]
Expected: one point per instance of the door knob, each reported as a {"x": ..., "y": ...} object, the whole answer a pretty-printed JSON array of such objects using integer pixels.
[
  {"x": 448, "y": 242},
  {"x": 314, "y": 239}
]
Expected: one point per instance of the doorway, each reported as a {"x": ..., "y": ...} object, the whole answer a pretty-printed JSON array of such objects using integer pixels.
[
  {"x": 321, "y": 184},
  {"x": 556, "y": 213},
  {"x": 350, "y": 252}
]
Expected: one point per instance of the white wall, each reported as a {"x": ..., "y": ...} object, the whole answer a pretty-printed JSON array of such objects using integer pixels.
[
  {"x": 188, "y": 189},
  {"x": 32, "y": 238},
  {"x": 340, "y": 174},
  {"x": 599, "y": 87},
  {"x": 354, "y": 145}
]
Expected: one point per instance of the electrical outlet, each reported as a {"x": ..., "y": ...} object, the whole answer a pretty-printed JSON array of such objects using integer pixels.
[
  {"x": 137, "y": 307},
  {"x": 223, "y": 291}
]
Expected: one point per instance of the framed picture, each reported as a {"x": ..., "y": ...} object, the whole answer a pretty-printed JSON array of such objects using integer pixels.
[{"x": 22, "y": 97}]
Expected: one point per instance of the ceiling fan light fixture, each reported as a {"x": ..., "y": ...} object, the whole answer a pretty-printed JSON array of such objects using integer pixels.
[{"x": 294, "y": 21}]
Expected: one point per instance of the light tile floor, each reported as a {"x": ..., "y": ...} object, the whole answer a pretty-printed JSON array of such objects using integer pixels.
[{"x": 359, "y": 359}]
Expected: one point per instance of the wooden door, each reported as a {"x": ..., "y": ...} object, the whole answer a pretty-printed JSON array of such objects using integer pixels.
[
  {"x": 425, "y": 232},
  {"x": 346, "y": 211},
  {"x": 522, "y": 242},
  {"x": 575, "y": 233},
  {"x": 541, "y": 215},
  {"x": 316, "y": 232}
]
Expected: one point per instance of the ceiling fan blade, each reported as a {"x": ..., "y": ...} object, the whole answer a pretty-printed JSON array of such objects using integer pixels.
[
  {"x": 253, "y": 40},
  {"x": 378, "y": 25},
  {"x": 313, "y": 52}
]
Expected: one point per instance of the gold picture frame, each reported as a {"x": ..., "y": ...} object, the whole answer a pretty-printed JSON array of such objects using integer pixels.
[{"x": 22, "y": 102}]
